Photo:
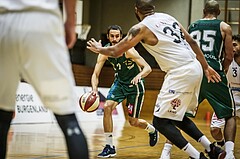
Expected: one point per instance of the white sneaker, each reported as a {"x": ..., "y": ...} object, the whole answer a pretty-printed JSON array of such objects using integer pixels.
[
  {"x": 165, "y": 154},
  {"x": 230, "y": 155}
]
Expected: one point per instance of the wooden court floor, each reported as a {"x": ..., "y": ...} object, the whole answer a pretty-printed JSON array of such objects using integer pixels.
[{"x": 45, "y": 141}]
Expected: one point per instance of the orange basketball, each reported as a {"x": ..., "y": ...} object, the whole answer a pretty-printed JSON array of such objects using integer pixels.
[{"x": 89, "y": 102}]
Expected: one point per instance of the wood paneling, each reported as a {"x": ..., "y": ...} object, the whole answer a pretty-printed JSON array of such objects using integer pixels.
[{"x": 83, "y": 75}]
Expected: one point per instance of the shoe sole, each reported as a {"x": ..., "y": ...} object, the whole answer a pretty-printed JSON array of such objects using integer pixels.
[
  {"x": 111, "y": 155},
  {"x": 222, "y": 155}
]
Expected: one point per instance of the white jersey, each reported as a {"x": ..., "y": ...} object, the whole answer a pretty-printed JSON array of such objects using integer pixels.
[
  {"x": 233, "y": 77},
  {"x": 19, "y": 5},
  {"x": 172, "y": 50}
]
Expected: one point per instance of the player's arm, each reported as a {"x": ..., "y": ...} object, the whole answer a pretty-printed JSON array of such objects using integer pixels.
[
  {"x": 146, "y": 69},
  {"x": 70, "y": 6},
  {"x": 228, "y": 48},
  {"x": 97, "y": 70},
  {"x": 133, "y": 37},
  {"x": 210, "y": 73}
]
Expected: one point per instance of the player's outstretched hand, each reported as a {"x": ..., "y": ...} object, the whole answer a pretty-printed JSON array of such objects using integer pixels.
[
  {"x": 212, "y": 75},
  {"x": 93, "y": 45}
]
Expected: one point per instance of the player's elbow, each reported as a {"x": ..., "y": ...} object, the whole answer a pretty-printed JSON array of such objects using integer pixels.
[{"x": 149, "y": 69}]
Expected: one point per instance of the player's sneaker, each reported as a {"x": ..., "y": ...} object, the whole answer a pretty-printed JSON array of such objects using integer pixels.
[
  {"x": 202, "y": 156},
  {"x": 230, "y": 155},
  {"x": 108, "y": 151},
  {"x": 153, "y": 138},
  {"x": 166, "y": 154},
  {"x": 220, "y": 143},
  {"x": 216, "y": 152}
]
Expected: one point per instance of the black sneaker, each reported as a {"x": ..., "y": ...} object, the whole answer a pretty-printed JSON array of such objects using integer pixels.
[
  {"x": 202, "y": 156},
  {"x": 108, "y": 151},
  {"x": 153, "y": 138},
  {"x": 221, "y": 143},
  {"x": 216, "y": 152}
]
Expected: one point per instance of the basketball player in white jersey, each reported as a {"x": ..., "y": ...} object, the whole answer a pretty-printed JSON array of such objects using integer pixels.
[
  {"x": 173, "y": 48},
  {"x": 33, "y": 46},
  {"x": 233, "y": 76}
]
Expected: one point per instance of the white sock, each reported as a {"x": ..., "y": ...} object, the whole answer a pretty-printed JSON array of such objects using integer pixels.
[
  {"x": 166, "y": 150},
  {"x": 229, "y": 146},
  {"x": 109, "y": 138},
  {"x": 191, "y": 151},
  {"x": 205, "y": 142},
  {"x": 150, "y": 129}
]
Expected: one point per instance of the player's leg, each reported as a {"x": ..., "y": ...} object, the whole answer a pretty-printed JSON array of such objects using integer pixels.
[
  {"x": 5, "y": 121},
  {"x": 216, "y": 128},
  {"x": 49, "y": 71},
  {"x": 9, "y": 73},
  {"x": 168, "y": 129},
  {"x": 221, "y": 101},
  {"x": 135, "y": 97},
  {"x": 109, "y": 149},
  {"x": 191, "y": 129},
  {"x": 115, "y": 96},
  {"x": 143, "y": 124},
  {"x": 75, "y": 140},
  {"x": 166, "y": 151},
  {"x": 229, "y": 135}
]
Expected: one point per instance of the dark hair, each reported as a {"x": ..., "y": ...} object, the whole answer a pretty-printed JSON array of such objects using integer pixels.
[
  {"x": 114, "y": 27},
  {"x": 236, "y": 37},
  {"x": 211, "y": 7},
  {"x": 145, "y": 6}
]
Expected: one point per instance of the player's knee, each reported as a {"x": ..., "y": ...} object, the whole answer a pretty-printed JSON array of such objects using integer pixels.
[
  {"x": 108, "y": 108},
  {"x": 216, "y": 133}
]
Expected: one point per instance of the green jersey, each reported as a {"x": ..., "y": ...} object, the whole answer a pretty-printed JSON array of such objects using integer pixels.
[
  {"x": 125, "y": 69},
  {"x": 122, "y": 88},
  {"x": 207, "y": 33}
]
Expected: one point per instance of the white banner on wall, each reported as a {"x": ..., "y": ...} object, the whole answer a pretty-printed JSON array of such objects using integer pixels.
[{"x": 29, "y": 108}]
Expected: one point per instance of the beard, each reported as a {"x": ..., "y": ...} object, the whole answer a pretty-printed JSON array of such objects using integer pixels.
[
  {"x": 138, "y": 18},
  {"x": 114, "y": 42}
]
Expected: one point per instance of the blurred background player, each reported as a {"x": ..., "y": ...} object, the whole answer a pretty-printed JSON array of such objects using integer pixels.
[
  {"x": 233, "y": 76},
  {"x": 211, "y": 34},
  {"x": 130, "y": 69},
  {"x": 24, "y": 25}
]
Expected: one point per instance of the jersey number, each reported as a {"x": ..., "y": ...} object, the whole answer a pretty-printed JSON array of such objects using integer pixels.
[
  {"x": 178, "y": 35},
  {"x": 206, "y": 37},
  {"x": 234, "y": 71}
]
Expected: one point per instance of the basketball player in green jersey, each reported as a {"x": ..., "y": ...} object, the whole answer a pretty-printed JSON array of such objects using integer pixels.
[
  {"x": 215, "y": 40},
  {"x": 130, "y": 69}
]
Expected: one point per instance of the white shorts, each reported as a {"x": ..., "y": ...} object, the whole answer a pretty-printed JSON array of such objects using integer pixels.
[
  {"x": 220, "y": 123},
  {"x": 33, "y": 48},
  {"x": 179, "y": 92}
]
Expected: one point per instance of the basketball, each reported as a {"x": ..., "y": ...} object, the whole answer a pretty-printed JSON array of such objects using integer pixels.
[{"x": 89, "y": 102}]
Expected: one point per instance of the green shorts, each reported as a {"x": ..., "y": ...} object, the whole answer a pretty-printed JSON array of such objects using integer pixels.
[
  {"x": 219, "y": 96},
  {"x": 134, "y": 94}
]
